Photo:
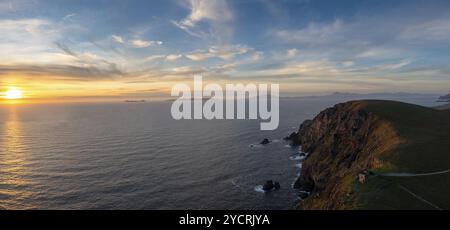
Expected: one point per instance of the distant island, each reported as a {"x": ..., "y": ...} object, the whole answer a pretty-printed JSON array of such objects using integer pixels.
[
  {"x": 135, "y": 101},
  {"x": 445, "y": 98},
  {"x": 375, "y": 154}
]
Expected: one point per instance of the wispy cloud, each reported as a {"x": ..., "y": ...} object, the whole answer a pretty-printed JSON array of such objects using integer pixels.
[
  {"x": 152, "y": 58},
  {"x": 173, "y": 57},
  {"x": 312, "y": 34},
  {"x": 40, "y": 35},
  {"x": 139, "y": 43},
  {"x": 65, "y": 49},
  {"x": 117, "y": 39},
  {"x": 215, "y": 12},
  {"x": 224, "y": 52},
  {"x": 68, "y": 16},
  {"x": 62, "y": 71},
  {"x": 135, "y": 43},
  {"x": 291, "y": 53},
  {"x": 427, "y": 32}
]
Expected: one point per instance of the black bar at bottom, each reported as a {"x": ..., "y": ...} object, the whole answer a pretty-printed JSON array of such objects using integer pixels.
[{"x": 225, "y": 219}]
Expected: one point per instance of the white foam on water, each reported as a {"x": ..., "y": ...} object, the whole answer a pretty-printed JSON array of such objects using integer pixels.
[
  {"x": 293, "y": 183},
  {"x": 299, "y": 165},
  {"x": 302, "y": 191},
  {"x": 259, "y": 188},
  {"x": 233, "y": 182},
  {"x": 296, "y": 158}
]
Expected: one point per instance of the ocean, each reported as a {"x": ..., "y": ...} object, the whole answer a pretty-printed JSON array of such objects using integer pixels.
[{"x": 135, "y": 156}]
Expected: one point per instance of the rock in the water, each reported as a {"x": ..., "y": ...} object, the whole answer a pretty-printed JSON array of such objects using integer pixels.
[
  {"x": 276, "y": 185},
  {"x": 268, "y": 185},
  {"x": 291, "y": 136},
  {"x": 271, "y": 185},
  {"x": 303, "y": 194},
  {"x": 265, "y": 141}
]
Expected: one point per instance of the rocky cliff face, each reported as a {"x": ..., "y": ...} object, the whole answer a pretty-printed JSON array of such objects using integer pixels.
[{"x": 342, "y": 141}]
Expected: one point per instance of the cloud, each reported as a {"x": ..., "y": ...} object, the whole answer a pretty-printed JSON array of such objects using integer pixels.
[
  {"x": 385, "y": 67},
  {"x": 65, "y": 49},
  {"x": 212, "y": 10},
  {"x": 6, "y": 6},
  {"x": 215, "y": 12},
  {"x": 291, "y": 53},
  {"x": 313, "y": 33},
  {"x": 155, "y": 58},
  {"x": 13, "y": 7},
  {"x": 227, "y": 52},
  {"x": 347, "y": 63},
  {"x": 374, "y": 52},
  {"x": 135, "y": 43},
  {"x": 82, "y": 62},
  {"x": 23, "y": 27},
  {"x": 62, "y": 71},
  {"x": 138, "y": 43},
  {"x": 364, "y": 45},
  {"x": 199, "y": 55},
  {"x": 28, "y": 40},
  {"x": 68, "y": 16},
  {"x": 183, "y": 69},
  {"x": 437, "y": 30},
  {"x": 173, "y": 57},
  {"x": 328, "y": 69},
  {"x": 367, "y": 37},
  {"x": 256, "y": 56},
  {"x": 117, "y": 39},
  {"x": 224, "y": 68}
]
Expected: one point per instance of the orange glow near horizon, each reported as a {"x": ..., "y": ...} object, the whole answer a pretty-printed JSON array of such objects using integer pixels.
[
  {"x": 12, "y": 94},
  {"x": 26, "y": 90}
]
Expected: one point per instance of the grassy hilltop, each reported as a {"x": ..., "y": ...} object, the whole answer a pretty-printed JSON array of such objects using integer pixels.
[
  {"x": 425, "y": 149},
  {"x": 404, "y": 150}
]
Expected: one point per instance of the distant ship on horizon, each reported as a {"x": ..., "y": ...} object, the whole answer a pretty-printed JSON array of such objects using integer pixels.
[{"x": 135, "y": 101}]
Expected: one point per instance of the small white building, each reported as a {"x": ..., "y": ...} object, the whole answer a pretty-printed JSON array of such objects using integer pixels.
[{"x": 362, "y": 178}]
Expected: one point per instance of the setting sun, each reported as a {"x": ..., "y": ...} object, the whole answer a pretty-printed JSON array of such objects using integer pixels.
[{"x": 13, "y": 93}]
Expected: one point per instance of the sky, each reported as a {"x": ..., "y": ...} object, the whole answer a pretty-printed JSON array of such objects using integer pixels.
[{"x": 61, "y": 49}]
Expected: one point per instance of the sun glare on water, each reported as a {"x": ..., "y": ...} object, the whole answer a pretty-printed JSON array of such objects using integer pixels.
[{"x": 13, "y": 93}]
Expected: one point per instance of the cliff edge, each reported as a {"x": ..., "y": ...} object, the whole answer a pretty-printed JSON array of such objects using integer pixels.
[{"x": 355, "y": 148}]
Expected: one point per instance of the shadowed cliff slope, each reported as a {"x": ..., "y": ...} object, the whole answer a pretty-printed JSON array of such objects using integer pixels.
[{"x": 388, "y": 141}]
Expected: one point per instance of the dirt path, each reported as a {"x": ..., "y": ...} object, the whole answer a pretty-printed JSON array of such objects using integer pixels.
[
  {"x": 419, "y": 198},
  {"x": 413, "y": 174}
]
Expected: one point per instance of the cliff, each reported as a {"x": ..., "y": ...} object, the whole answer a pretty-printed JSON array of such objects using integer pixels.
[{"x": 368, "y": 137}]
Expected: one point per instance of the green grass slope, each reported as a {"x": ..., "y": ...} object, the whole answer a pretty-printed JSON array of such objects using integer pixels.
[
  {"x": 425, "y": 148},
  {"x": 443, "y": 107}
]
